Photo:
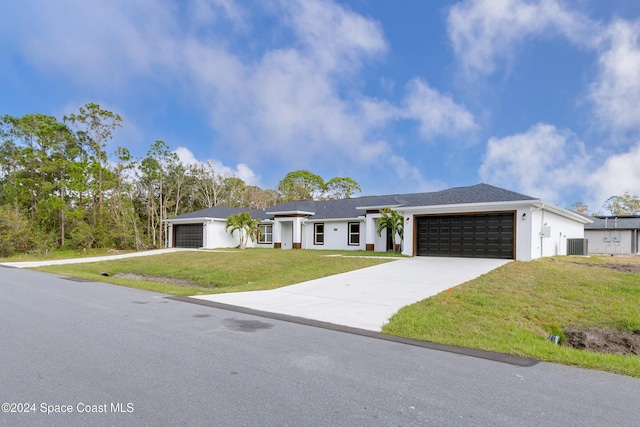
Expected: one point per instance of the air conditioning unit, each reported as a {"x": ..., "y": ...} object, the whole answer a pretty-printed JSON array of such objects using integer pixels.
[{"x": 577, "y": 247}]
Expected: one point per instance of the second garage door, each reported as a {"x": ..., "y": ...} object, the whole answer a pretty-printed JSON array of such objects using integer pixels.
[
  {"x": 188, "y": 235},
  {"x": 473, "y": 236}
]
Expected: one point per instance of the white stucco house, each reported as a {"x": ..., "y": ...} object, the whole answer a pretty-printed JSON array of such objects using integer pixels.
[
  {"x": 480, "y": 221},
  {"x": 613, "y": 235}
]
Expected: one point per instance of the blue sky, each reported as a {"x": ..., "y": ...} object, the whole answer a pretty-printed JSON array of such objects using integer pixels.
[{"x": 537, "y": 96}]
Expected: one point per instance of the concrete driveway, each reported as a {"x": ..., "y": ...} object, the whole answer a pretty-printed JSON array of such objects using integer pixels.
[{"x": 365, "y": 298}]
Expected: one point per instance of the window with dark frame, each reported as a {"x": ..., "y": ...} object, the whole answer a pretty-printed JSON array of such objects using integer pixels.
[
  {"x": 267, "y": 233},
  {"x": 318, "y": 234},
  {"x": 354, "y": 233}
]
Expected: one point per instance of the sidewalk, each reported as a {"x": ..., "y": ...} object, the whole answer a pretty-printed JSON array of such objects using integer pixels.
[{"x": 29, "y": 264}]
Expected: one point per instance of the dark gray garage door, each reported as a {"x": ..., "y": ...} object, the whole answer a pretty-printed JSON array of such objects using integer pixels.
[
  {"x": 472, "y": 236},
  {"x": 188, "y": 235}
]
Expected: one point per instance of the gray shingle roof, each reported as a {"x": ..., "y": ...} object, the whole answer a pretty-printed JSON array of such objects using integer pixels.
[
  {"x": 609, "y": 222},
  {"x": 348, "y": 208},
  {"x": 479, "y": 193},
  {"x": 222, "y": 212}
]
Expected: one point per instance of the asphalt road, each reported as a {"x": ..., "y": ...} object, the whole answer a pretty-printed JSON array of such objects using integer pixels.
[{"x": 97, "y": 354}]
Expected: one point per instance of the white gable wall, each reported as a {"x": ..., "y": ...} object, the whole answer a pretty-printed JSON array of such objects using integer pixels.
[
  {"x": 559, "y": 229},
  {"x": 215, "y": 235}
]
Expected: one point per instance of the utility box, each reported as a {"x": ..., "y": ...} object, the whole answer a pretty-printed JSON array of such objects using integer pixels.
[
  {"x": 578, "y": 247},
  {"x": 546, "y": 232}
]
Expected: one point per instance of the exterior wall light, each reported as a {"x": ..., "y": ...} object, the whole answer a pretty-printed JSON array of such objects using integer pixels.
[{"x": 524, "y": 216}]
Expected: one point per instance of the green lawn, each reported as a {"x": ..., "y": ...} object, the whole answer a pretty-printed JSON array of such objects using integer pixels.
[
  {"x": 516, "y": 307},
  {"x": 232, "y": 270}
]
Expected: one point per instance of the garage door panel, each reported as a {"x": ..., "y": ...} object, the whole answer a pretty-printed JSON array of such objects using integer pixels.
[
  {"x": 475, "y": 236},
  {"x": 188, "y": 235}
]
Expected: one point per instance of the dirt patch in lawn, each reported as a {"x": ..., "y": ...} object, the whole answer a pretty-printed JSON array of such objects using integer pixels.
[
  {"x": 622, "y": 268},
  {"x": 603, "y": 340},
  {"x": 168, "y": 280}
]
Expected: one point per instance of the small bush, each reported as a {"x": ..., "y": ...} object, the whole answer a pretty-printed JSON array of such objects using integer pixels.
[{"x": 16, "y": 235}]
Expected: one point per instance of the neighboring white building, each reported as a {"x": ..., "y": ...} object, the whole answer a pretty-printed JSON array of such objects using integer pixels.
[
  {"x": 613, "y": 235},
  {"x": 480, "y": 221}
]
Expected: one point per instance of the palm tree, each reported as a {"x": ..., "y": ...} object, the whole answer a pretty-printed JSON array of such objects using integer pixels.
[
  {"x": 246, "y": 227},
  {"x": 394, "y": 222}
]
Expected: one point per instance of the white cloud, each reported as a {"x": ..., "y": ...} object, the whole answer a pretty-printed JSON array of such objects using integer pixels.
[
  {"x": 618, "y": 173},
  {"x": 411, "y": 177},
  {"x": 437, "y": 114},
  {"x": 290, "y": 101},
  {"x": 102, "y": 42},
  {"x": 616, "y": 93},
  {"x": 483, "y": 32},
  {"x": 336, "y": 38},
  {"x": 280, "y": 101},
  {"x": 242, "y": 170},
  {"x": 206, "y": 12},
  {"x": 542, "y": 162},
  {"x": 553, "y": 165},
  {"x": 186, "y": 156}
]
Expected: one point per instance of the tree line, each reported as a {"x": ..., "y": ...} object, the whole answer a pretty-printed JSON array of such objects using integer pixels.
[
  {"x": 60, "y": 188},
  {"x": 626, "y": 205}
]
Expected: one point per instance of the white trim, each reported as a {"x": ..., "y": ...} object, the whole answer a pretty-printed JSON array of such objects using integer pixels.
[
  {"x": 204, "y": 219},
  {"x": 464, "y": 207},
  {"x": 566, "y": 213},
  {"x": 192, "y": 220},
  {"x": 315, "y": 220},
  {"x": 370, "y": 208},
  {"x": 285, "y": 213}
]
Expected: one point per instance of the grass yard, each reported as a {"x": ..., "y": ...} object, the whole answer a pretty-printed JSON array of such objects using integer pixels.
[
  {"x": 208, "y": 272},
  {"x": 515, "y": 308}
]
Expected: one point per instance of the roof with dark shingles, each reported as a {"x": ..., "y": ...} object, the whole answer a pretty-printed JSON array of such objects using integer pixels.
[
  {"x": 222, "y": 212},
  {"x": 610, "y": 222},
  {"x": 479, "y": 193},
  {"x": 347, "y": 208}
]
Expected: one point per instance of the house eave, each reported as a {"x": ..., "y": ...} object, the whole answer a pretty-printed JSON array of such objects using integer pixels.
[
  {"x": 284, "y": 213},
  {"x": 202, "y": 219},
  {"x": 461, "y": 207},
  {"x": 370, "y": 208},
  {"x": 564, "y": 212},
  {"x": 352, "y": 219}
]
